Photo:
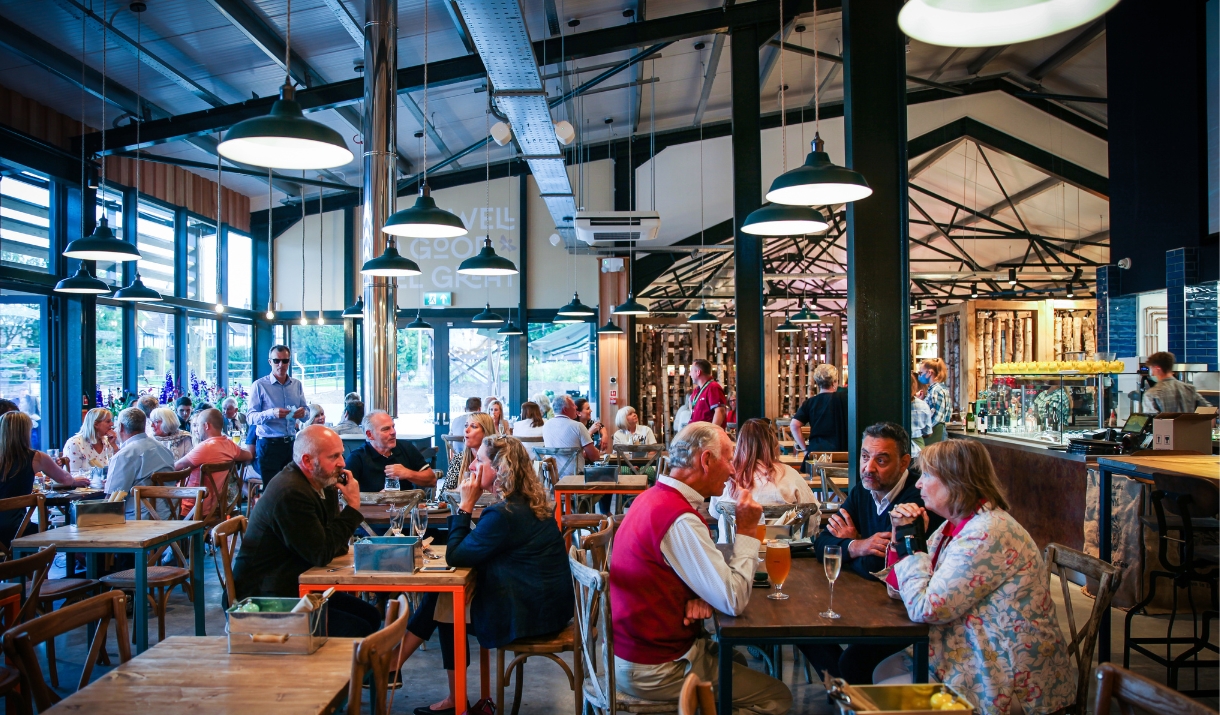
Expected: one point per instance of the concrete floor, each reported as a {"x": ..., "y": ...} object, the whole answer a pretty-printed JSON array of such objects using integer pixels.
[{"x": 546, "y": 688}]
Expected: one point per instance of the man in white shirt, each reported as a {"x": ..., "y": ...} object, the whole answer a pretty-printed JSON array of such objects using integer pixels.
[
  {"x": 667, "y": 576},
  {"x": 138, "y": 459},
  {"x": 564, "y": 431},
  {"x": 457, "y": 426}
]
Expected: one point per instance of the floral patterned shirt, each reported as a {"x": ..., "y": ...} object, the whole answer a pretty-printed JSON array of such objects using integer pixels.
[
  {"x": 994, "y": 634},
  {"x": 82, "y": 456},
  {"x": 180, "y": 444}
]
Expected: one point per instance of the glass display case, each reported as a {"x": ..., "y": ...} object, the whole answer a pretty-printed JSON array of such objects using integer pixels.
[{"x": 1049, "y": 408}]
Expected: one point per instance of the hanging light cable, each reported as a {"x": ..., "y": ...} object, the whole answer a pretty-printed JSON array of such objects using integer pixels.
[
  {"x": 321, "y": 249},
  {"x": 702, "y": 315},
  {"x": 631, "y": 306},
  {"x": 220, "y": 306},
  {"x": 270, "y": 314},
  {"x": 304, "y": 320},
  {"x": 486, "y": 262}
]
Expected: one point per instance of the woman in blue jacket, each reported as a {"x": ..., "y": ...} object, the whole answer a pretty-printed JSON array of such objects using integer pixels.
[{"x": 524, "y": 583}]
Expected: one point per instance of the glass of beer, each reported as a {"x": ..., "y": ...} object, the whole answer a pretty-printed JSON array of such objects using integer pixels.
[
  {"x": 832, "y": 561},
  {"x": 779, "y": 562}
]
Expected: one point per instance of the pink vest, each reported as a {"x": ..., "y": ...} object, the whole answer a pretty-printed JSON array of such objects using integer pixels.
[{"x": 647, "y": 599}]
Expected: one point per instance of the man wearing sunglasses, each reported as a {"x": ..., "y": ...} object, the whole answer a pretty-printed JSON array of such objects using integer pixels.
[{"x": 277, "y": 401}]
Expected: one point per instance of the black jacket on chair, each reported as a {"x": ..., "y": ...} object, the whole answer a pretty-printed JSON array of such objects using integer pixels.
[
  {"x": 524, "y": 585},
  {"x": 291, "y": 531}
]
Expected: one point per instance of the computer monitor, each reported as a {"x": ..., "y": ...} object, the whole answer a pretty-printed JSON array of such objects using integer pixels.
[{"x": 1136, "y": 423}]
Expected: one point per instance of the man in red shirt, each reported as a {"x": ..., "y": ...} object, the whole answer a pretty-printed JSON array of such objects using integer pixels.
[{"x": 709, "y": 403}]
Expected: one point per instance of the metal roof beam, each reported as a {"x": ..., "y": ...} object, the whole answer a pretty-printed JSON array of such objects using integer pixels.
[
  {"x": 985, "y": 57},
  {"x": 1074, "y": 47},
  {"x": 709, "y": 77}
]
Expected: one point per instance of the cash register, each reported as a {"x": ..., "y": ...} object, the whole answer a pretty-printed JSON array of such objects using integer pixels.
[{"x": 1134, "y": 435}]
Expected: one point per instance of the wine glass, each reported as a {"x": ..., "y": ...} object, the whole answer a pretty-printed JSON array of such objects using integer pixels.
[
  {"x": 397, "y": 516},
  {"x": 419, "y": 520},
  {"x": 779, "y": 562},
  {"x": 832, "y": 561}
]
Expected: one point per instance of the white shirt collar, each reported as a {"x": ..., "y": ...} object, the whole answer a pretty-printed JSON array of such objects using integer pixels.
[
  {"x": 884, "y": 503},
  {"x": 692, "y": 496}
]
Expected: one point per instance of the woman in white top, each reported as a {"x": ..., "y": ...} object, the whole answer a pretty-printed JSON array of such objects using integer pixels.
[
  {"x": 94, "y": 445},
  {"x": 756, "y": 468},
  {"x": 167, "y": 430},
  {"x": 530, "y": 425},
  {"x": 496, "y": 409},
  {"x": 630, "y": 431}
]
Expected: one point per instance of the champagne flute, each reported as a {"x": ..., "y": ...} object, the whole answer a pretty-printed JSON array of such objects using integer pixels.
[
  {"x": 419, "y": 520},
  {"x": 397, "y": 515},
  {"x": 832, "y": 561},
  {"x": 779, "y": 561}
]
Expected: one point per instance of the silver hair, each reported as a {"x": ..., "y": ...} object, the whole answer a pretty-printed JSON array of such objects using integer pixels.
[
  {"x": 695, "y": 438},
  {"x": 367, "y": 423},
  {"x": 168, "y": 419},
  {"x": 560, "y": 402},
  {"x": 132, "y": 420},
  {"x": 147, "y": 403},
  {"x": 309, "y": 441},
  {"x": 314, "y": 410},
  {"x": 227, "y": 402},
  {"x": 620, "y": 419},
  {"x": 825, "y": 376}
]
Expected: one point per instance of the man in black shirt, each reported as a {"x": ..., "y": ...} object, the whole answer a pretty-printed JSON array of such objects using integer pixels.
[{"x": 384, "y": 456}]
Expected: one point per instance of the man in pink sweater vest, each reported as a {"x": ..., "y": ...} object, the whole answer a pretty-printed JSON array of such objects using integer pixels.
[{"x": 667, "y": 576}]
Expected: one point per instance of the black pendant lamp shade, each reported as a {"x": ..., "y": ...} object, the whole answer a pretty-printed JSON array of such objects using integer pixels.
[
  {"x": 788, "y": 326},
  {"x": 83, "y": 283},
  {"x": 487, "y": 317},
  {"x": 818, "y": 182},
  {"x": 805, "y": 315},
  {"x": 285, "y": 139},
  {"x": 510, "y": 328},
  {"x": 356, "y": 310},
  {"x": 576, "y": 309},
  {"x": 565, "y": 319},
  {"x": 425, "y": 220},
  {"x": 390, "y": 264},
  {"x": 609, "y": 328},
  {"x": 137, "y": 292},
  {"x": 418, "y": 323},
  {"x": 487, "y": 263},
  {"x": 702, "y": 316},
  {"x": 783, "y": 220},
  {"x": 101, "y": 245},
  {"x": 631, "y": 307}
]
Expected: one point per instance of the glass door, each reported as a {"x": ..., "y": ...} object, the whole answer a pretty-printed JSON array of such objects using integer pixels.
[{"x": 416, "y": 383}]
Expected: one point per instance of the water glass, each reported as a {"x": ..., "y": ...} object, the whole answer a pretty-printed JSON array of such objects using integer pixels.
[
  {"x": 832, "y": 561},
  {"x": 392, "y": 484},
  {"x": 397, "y": 516}
]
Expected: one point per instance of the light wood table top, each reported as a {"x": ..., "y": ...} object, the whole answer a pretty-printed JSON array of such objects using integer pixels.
[
  {"x": 340, "y": 572},
  {"x": 128, "y": 535},
  {"x": 625, "y": 481},
  {"x": 379, "y": 514},
  {"x": 1176, "y": 465},
  {"x": 182, "y": 674}
]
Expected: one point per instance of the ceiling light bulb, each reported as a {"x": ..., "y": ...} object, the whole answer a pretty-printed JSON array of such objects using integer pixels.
[
  {"x": 991, "y": 23},
  {"x": 270, "y": 314}
]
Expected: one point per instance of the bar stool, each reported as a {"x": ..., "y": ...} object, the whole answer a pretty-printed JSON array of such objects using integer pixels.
[{"x": 1175, "y": 501}]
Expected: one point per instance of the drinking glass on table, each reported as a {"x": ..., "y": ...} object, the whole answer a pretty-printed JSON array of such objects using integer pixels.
[
  {"x": 392, "y": 484},
  {"x": 419, "y": 520},
  {"x": 397, "y": 516},
  {"x": 832, "y": 561},
  {"x": 779, "y": 562}
]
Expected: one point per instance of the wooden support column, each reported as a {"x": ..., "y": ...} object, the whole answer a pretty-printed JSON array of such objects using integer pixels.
[{"x": 748, "y": 249}]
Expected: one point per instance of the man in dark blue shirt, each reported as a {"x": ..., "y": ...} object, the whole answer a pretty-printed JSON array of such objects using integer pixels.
[
  {"x": 384, "y": 456},
  {"x": 862, "y": 529}
]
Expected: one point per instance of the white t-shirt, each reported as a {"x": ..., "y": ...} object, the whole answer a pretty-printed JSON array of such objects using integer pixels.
[
  {"x": 559, "y": 432},
  {"x": 642, "y": 435},
  {"x": 526, "y": 428},
  {"x": 786, "y": 487}
]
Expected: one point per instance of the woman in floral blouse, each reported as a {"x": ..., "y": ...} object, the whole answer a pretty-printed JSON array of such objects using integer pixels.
[
  {"x": 984, "y": 589},
  {"x": 94, "y": 445},
  {"x": 168, "y": 431}
]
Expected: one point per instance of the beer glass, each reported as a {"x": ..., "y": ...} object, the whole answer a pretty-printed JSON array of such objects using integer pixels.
[{"x": 779, "y": 562}]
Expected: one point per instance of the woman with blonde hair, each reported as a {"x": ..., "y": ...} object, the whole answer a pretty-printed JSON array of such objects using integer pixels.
[
  {"x": 168, "y": 431},
  {"x": 495, "y": 408},
  {"x": 981, "y": 584},
  {"x": 629, "y": 430},
  {"x": 94, "y": 445},
  {"x": 18, "y": 463},
  {"x": 478, "y": 428}
]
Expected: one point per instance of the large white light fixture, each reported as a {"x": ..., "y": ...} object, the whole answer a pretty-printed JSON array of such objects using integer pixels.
[{"x": 991, "y": 23}]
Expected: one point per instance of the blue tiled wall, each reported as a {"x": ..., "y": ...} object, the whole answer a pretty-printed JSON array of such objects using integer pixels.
[
  {"x": 1181, "y": 270},
  {"x": 1117, "y": 317},
  {"x": 1192, "y": 309},
  {"x": 1202, "y": 304}
]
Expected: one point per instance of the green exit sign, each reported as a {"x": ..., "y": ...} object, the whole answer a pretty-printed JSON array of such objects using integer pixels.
[{"x": 438, "y": 299}]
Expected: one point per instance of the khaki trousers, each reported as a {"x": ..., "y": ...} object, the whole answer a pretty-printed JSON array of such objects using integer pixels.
[{"x": 753, "y": 691}]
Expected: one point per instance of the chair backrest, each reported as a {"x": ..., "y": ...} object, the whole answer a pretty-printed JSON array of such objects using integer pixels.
[
  {"x": 531, "y": 439},
  {"x": 32, "y": 570},
  {"x": 31, "y": 503},
  {"x": 1137, "y": 694},
  {"x": 1059, "y": 560},
  {"x": 569, "y": 460},
  {"x": 375, "y": 654},
  {"x": 226, "y": 537},
  {"x": 146, "y": 504},
  {"x": 696, "y": 697},
  {"x": 596, "y": 543},
  {"x": 19, "y": 641},
  {"x": 624, "y": 453},
  {"x": 454, "y": 444},
  {"x": 548, "y": 472},
  {"x": 162, "y": 479},
  {"x": 224, "y": 481},
  {"x": 596, "y": 638}
]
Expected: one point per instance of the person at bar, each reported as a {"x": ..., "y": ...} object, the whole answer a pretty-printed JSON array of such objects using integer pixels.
[
  {"x": 235, "y": 421},
  {"x": 353, "y": 416},
  {"x": 933, "y": 373},
  {"x": 708, "y": 403},
  {"x": 383, "y": 455},
  {"x": 825, "y": 414},
  {"x": 214, "y": 448},
  {"x": 18, "y": 463},
  {"x": 666, "y": 576},
  {"x": 276, "y": 401},
  {"x": 94, "y": 445},
  {"x": 1169, "y": 394},
  {"x": 862, "y": 529},
  {"x": 565, "y": 431},
  {"x": 457, "y": 425},
  {"x": 139, "y": 458},
  {"x": 982, "y": 586},
  {"x": 299, "y": 524},
  {"x": 167, "y": 430}
]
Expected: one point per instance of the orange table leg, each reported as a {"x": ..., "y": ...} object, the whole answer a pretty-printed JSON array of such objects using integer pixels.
[
  {"x": 459, "y": 650},
  {"x": 9, "y": 607}
]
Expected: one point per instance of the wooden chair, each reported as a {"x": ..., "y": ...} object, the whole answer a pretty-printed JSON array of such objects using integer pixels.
[
  {"x": 254, "y": 490},
  {"x": 168, "y": 479},
  {"x": 570, "y": 460},
  {"x": 161, "y": 579},
  {"x": 33, "y": 504},
  {"x": 225, "y": 537},
  {"x": 223, "y": 480},
  {"x": 19, "y": 643},
  {"x": 10, "y": 690},
  {"x": 377, "y": 654},
  {"x": 1137, "y": 694},
  {"x": 548, "y": 473},
  {"x": 454, "y": 444},
  {"x": 32, "y": 570},
  {"x": 1060, "y": 559},
  {"x": 696, "y": 697}
]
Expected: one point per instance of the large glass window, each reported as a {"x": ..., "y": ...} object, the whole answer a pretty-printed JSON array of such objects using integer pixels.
[
  {"x": 110, "y": 205},
  {"x": 240, "y": 344},
  {"x": 21, "y": 355},
  {"x": 201, "y": 350},
  {"x": 155, "y": 334},
  {"x": 25, "y": 204},
  {"x": 155, "y": 240},
  {"x": 240, "y": 276},
  {"x": 109, "y": 352},
  {"x": 201, "y": 256},
  {"x": 416, "y": 388},
  {"x": 317, "y": 361},
  {"x": 559, "y": 359},
  {"x": 478, "y": 367}
]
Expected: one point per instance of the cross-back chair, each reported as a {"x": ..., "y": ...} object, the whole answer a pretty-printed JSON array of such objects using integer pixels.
[
  {"x": 226, "y": 537},
  {"x": 696, "y": 697},
  {"x": 375, "y": 654},
  {"x": 223, "y": 480},
  {"x": 169, "y": 479},
  {"x": 32, "y": 570},
  {"x": 1060, "y": 559},
  {"x": 624, "y": 455},
  {"x": 1136, "y": 694},
  {"x": 33, "y": 504}
]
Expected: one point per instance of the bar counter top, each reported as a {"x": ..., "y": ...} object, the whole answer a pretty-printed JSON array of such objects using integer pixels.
[{"x": 1022, "y": 445}]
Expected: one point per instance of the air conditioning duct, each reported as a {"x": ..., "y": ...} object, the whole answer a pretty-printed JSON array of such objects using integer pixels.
[{"x": 607, "y": 227}]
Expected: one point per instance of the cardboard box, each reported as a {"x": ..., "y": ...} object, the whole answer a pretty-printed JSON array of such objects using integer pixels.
[{"x": 1183, "y": 431}]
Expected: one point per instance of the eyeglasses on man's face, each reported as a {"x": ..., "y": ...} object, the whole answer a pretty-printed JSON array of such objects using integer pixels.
[{"x": 281, "y": 361}]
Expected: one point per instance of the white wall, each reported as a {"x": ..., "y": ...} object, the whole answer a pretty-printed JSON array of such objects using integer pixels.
[
  {"x": 323, "y": 264},
  {"x": 554, "y": 273}
]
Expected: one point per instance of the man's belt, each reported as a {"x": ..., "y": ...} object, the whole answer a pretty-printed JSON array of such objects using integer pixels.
[{"x": 277, "y": 440}]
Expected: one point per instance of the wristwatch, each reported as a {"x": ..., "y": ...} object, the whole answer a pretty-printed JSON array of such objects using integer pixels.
[{"x": 463, "y": 512}]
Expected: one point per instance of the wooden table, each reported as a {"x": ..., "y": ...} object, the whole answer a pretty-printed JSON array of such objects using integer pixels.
[
  {"x": 341, "y": 575},
  {"x": 379, "y": 515},
  {"x": 1145, "y": 469},
  {"x": 198, "y": 676},
  {"x": 133, "y": 537},
  {"x": 869, "y": 615},
  {"x": 572, "y": 485}
]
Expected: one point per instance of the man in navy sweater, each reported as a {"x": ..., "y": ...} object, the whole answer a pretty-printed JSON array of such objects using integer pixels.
[{"x": 862, "y": 529}]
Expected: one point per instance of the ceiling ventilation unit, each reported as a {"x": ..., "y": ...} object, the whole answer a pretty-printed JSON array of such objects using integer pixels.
[{"x": 598, "y": 228}]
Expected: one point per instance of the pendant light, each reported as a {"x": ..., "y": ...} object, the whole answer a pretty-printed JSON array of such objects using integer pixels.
[
  {"x": 487, "y": 317},
  {"x": 284, "y": 138},
  {"x": 418, "y": 323},
  {"x": 425, "y": 219},
  {"x": 486, "y": 262},
  {"x": 356, "y": 310},
  {"x": 510, "y": 328},
  {"x": 788, "y": 326},
  {"x": 781, "y": 219},
  {"x": 567, "y": 319},
  {"x": 631, "y": 306},
  {"x": 576, "y": 309},
  {"x": 805, "y": 315},
  {"x": 1012, "y": 276},
  {"x": 819, "y": 181},
  {"x": 270, "y": 314},
  {"x": 220, "y": 305},
  {"x": 702, "y": 316},
  {"x": 974, "y": 290},
  {"x": 609, "y": 328},
  {"x": 991, "y": 23},
  {"x": 137, "y": 292},
  {"x": 390, "y": 263}
]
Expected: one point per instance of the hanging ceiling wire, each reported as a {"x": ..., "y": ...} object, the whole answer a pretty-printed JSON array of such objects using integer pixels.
[{"x": 304, "y": 320}]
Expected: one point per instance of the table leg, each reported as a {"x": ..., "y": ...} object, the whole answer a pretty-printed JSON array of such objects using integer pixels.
[
  {"x": 91, "y": 572},
  {"x": 921, "y": 662},
  {"x": 1104, "y": 498},
  {"x": 197, "y": 582},
  {"x": 726, "y": 677},
  {"x": 485, "y": 675},
  {"x": 459, "y": 650},
  {"x": 559, "y": 510},
  {"x": 140, "y": 610}
]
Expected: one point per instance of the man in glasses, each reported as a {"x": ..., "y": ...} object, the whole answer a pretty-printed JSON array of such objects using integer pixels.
[{"x": 277, "y": 401}]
